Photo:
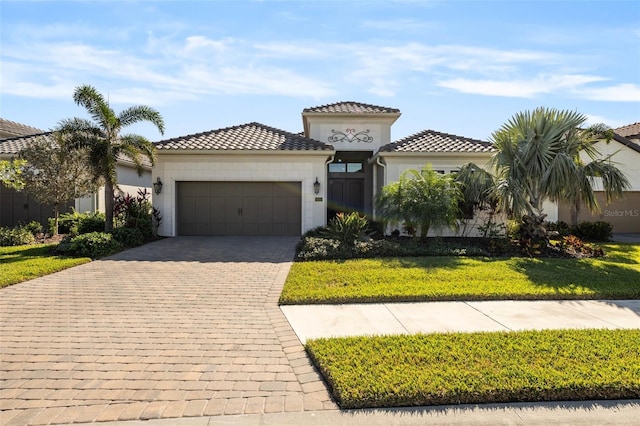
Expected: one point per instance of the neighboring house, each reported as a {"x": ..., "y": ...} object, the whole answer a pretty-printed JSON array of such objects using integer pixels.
[
  {"x": 253, "y": 179},
  {"x": 630, "y": 132},
  {"x": 11, "y": 129},
  {"x": 623, "y": 214},
  {"x": 19, "y": 207}
]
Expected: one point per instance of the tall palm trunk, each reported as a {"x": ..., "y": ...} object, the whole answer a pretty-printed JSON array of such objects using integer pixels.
[
  {"x": 108, "y": 206},
  {"x": 575, "y": 209}
]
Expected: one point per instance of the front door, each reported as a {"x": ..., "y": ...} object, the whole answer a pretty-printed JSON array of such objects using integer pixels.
[
  {"x": 350, "y": 187},
  {"x": 346, "y": 195}
]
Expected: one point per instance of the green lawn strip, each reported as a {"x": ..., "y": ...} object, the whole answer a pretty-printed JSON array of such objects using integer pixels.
[
  {"x": 615, "y": 276},
  {"x": 437, "y": 369},
  {"x": 23, "y": 263}
]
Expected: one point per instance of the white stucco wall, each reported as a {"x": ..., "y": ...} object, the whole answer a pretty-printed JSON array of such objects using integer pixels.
[
  {"x": 353, "y": 129},
  {"x": 396, "y": 164},
  {"x": 625, "y": 158},
  {"x": 242, "y": 167},
  {"x": 128, "y": 182}
]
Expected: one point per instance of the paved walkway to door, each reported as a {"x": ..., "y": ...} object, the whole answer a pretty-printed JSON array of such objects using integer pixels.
[{"x": 178, "y": 328}]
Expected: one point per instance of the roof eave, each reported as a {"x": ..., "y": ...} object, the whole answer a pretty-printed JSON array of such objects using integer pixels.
[
  {"x": 433, "y": 153},
  {"x": 243, "y": 152},
  {"x": 391, "y": 117}
]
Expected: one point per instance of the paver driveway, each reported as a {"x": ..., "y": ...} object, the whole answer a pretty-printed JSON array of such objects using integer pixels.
[{"x": 180, "y": 327}]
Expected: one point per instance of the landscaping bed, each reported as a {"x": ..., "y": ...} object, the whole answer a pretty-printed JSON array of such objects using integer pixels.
[
  {"x": 466, "y": 368},
  {"x": 442, "y": 278}
]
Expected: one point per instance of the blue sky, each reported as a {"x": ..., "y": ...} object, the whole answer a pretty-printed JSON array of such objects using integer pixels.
[{"x": 461, "y": 67}]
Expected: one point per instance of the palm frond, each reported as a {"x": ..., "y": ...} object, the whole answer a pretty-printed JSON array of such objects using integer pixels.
[{"x": 140, "y": 113}]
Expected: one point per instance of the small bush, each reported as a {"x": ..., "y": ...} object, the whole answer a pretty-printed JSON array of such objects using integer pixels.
[
  {"x": 34, "y": 227},
  {"x": 136, "y": 212},
  {"x": 575, "y": 247},
  {"x": 314, "y": 248},
  {"x": 347, "y": 228},
  {"x": 562, "y": 228},
  {"x": 75, "y": 223},
  {"x": 593, "y": 231},
  {"x": 128, "y": 237},
  {"x": 18, "y": 236},
  {"x": 94, "y": 245}
]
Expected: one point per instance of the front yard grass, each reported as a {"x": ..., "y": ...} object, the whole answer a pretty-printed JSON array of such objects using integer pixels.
[
  {"x": 23, "y": 263},
  {"x": 460, "y": 368},
  {"x": 616, "y": 276}
]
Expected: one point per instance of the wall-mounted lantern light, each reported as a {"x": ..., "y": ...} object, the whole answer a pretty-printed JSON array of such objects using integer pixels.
[
  {"x": 316, "y": 186},
  {"x": 157, "y": 186}
]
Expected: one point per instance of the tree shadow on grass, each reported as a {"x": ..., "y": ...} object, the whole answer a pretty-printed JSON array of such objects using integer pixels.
[
  {"x": 21, "y": 255},
  {"x": 567, "y": 276}
]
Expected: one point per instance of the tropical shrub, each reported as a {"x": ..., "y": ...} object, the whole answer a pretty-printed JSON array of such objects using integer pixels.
[
  {"x": 562, "y": 228},
  {"x": 93, "y": 245},
  {"x": 136, "y": 212},
  {"x": 34, "y": 227},
  {"x": 420, "y": 201},
  {"x": 128, "y": 237},
  {"x": 533, "y": 238},
  {"x": 75, "y": 223},
  {"x": 18, "y": 236},
  {"x": 593, "y": 231},
  {"x": 317, "y": 248},
  {"x": 346, "y": 228},
  {"x": 575, "y": 247}
]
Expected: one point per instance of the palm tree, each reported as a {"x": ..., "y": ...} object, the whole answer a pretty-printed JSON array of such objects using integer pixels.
[
  {"x": 421, "y": 199},
  {"x": 103, "y": 141},
  {"x": 478, "y": 194},
  {"x": 541, "y": 156}
]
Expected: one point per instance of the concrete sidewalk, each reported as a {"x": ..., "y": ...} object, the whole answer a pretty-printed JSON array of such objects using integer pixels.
[
  {"x": 314, "y": 321},
  {"x": 623, "y": 412}
]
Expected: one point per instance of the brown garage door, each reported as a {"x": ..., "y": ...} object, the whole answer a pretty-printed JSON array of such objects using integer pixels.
[{"x": 239, "y": 208}]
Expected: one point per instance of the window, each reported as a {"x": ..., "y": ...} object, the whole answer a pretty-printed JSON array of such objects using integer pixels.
[
  {"x": 345, "y": 167},
  {"x": 337, "y": 168},
  {"x": 354, "y": 167}
]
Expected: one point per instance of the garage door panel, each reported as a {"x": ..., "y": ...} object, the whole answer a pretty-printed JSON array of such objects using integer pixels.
[
  {"x": 225, "y": 188},
  {"x": 257, "y": 189},
  {"x": 265, "y": 209},
  {"x": 194, "y": 189},
  {"x": 239, "y": 208}
]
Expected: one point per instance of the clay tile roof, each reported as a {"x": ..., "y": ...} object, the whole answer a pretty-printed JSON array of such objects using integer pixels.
[
  {"x": 432, "y": 141},
  {"x": 17, "y": 129},
  {"x": 629, "y": 130},
  {"x": 245, "y": 137},
  {"x": 352, "y": 108},
  {"x": 12, "y": 146}
]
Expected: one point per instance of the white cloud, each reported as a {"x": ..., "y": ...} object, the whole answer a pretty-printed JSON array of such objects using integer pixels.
[
  {"x": 598, "y": 119},
  {"x": 616, "y": 93},
  {"x": 168, "y": 67},
  {"x": 520, "y": 88},
  {"x": 200, "y": 42}
]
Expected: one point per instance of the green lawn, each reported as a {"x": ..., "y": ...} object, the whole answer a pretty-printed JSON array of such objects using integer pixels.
[
  {"x": 23, "y": 263},
  {"x": 463, "y": 368},
  {"x": 616, "y": 276}
]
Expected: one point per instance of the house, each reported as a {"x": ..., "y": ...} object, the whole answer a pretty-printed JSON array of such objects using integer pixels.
[
  {"x": 11, "y": 129},
  {"x": 253, "y": 179},
  {"x": 623, "y": 214},
  {"x": 19, "y": 207}
]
